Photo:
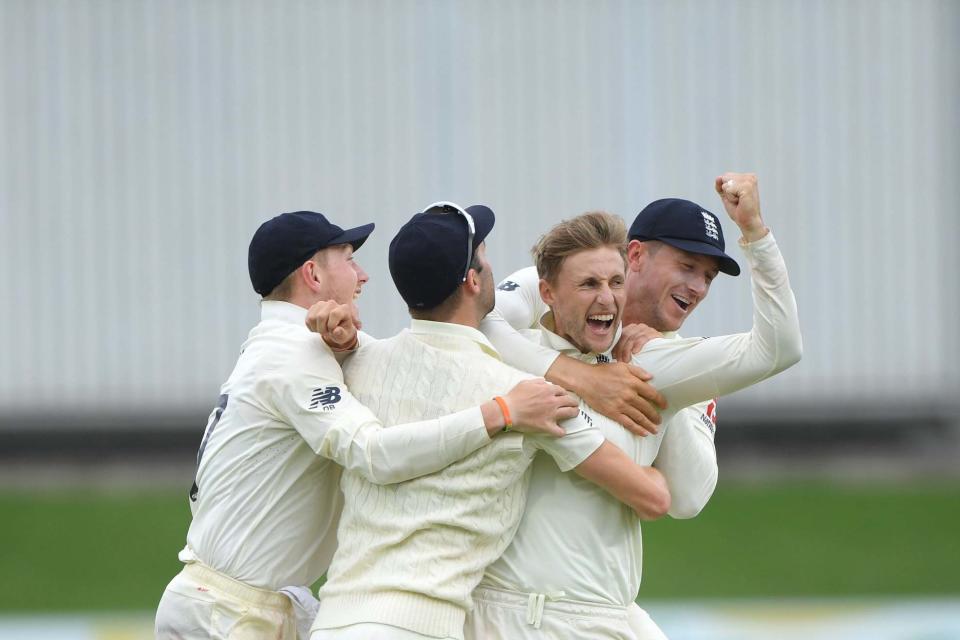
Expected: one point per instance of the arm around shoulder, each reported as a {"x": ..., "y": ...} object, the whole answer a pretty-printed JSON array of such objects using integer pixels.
[{"x": 643, "y": 489}]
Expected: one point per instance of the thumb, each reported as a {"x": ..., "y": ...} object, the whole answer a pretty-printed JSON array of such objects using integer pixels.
[
  {"x": 339, "y": 334},
  {"x": 555, "y": 430}
]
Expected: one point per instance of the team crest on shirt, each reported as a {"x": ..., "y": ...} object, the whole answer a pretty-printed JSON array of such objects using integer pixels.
[
  {"x": 325, "y": 397},
  {"x": 508, "y": 285},
  {"x": 709, "y": 416}
]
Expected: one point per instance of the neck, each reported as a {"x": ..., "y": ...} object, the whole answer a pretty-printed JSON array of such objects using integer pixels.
[
  {"x": 633, "y": 316},
  {"x": 550, "y": 322},
  {"x": 463, "y": 314}
]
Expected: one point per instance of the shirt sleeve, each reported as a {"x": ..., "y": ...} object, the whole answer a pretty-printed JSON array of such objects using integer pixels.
[
  {"x": 688, "y": 459},
  {"x": 519, "y": 307},
  {"x": 317, "y": 403},
  {"x": 691, "y": 370},
  {"x": 579, "y": 443}
]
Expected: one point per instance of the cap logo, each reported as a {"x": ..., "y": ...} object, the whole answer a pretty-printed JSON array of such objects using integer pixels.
[{"x": 710, "y": 225}]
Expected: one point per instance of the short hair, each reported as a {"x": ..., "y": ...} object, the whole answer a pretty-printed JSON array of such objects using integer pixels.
[
  {"x": 590, "y": 230},
  {"x": 284, "y": 290}
]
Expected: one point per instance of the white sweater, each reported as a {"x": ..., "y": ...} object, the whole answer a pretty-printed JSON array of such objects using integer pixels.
[{"x": 410, "y": 553}]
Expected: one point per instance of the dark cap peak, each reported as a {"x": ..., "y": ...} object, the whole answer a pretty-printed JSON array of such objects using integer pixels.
[
  {"x": 286, "y": 241},
  {"x": 685, "y": 225}
]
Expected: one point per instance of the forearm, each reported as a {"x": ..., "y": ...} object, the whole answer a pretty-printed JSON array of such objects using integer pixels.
[
  {"x": 571, "y": 374},
  {"x": 776, "y": 322},
  {"x": 401, "y": 452},
  {"x": 643, "y": 489},
  {"x": 515, "y": 349},
  {"x": 688, "y": 371}
]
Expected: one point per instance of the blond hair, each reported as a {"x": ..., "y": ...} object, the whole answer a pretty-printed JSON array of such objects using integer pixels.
[{"x": 590, "y": 230}]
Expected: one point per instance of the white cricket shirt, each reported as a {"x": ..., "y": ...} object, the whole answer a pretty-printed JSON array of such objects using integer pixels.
[
  {"x": 411, "y": 553},
  {"x": 575, "y": 538},
  {"x": 686, "y": 456},
  {"x": 268, "y": 501}
]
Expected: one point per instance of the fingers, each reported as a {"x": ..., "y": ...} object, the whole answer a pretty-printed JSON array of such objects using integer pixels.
[
  {"x": 640, "y": 426},
  {"x": 644, "y": 410},
  {"x": 565, "y": 413},
  {"x": 339, "y": 317},
  {"x": 733, "y": 186},
  {"x": 639, "y": 373},
  {"x": 649, "y": 394},
  {"x": 318, "y": 315},
  {"x": 620, "y": 352},
  {"x": 335, "y": 323},
  {"x": 567, "y": 400},
  {"x": 553, "y": 429},
  {"x": 728, "y": 188}
]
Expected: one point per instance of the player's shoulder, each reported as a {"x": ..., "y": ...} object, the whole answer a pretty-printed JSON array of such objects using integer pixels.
[
  {"x": 503, "y": 371},
  {"x": 375, "y": 351},
  {"x": 521, "y": 279},
  {"x": 293, "y": 348}
]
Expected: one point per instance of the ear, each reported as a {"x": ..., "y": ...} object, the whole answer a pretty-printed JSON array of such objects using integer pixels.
[
  {"x": 546, "y": 293},
  {"x": 472, "y": 283},
  {"x": 309, "y": 273},
  {"x": 636, "y": 252}
]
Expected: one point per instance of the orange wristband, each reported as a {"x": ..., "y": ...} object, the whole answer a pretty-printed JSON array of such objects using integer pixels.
[{"x": 506, "y": 412}]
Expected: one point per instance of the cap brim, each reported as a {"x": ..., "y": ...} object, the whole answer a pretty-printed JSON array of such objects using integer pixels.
[
  {"x": 483, "y": 220},
  {"x": 355, "y": 237},
  {"x": 728, "y": 265}
]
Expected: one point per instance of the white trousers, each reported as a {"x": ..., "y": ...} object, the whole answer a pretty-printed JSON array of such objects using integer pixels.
[
  {"x": 200, "y": 604},
  {"x": 368, "y": 631},
  {"x": 501, "y": 614}
]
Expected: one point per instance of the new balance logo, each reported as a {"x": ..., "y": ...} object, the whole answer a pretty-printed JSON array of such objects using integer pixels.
[
  {"x": 710, "y": 226},
  {"x": 326, "y": 397},
  {"x": 602, "y": 359},
  {"x": 508, "y": 285}
]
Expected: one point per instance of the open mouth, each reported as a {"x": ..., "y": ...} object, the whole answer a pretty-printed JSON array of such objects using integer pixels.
[
  {"x": 682, "y": 302},
  {"x": 600, "y": 321}
]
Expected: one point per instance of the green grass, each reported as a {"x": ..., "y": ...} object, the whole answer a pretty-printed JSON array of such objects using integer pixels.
[
  {"x": 809, "y": 540},
  {"x": 79, "y": 550}
]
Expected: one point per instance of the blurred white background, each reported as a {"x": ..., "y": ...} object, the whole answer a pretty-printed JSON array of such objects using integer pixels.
[{"x": 141, "y": 143}]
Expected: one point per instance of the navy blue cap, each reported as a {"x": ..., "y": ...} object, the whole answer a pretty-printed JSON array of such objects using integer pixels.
[
  {"x": 428, "y": 256},
  {"x": 285, "y": 242},
  {"x": 686, "y": 226}
]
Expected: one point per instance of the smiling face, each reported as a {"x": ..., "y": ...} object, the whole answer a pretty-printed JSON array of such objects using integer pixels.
[
  {"x": 587, "y": 296},
  {"x": 666, "y": 284},
  {"x": 341, "y": 278}
]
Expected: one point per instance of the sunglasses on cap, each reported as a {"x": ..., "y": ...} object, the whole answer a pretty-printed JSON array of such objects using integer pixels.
[{"x": 449, "y": 207}]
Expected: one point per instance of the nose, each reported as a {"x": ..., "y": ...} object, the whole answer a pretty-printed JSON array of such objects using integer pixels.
[
  {"x": 605, "y": 295},
  {"x": 362, "y": 276},
  {"x": 699, "y": 286}
]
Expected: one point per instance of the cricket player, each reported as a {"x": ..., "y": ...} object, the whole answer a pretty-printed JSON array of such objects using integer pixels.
[
  {"x": 590, "y": 594},
  {"x": 265, "y": 501},
  {"x": 411, "y": 553}
]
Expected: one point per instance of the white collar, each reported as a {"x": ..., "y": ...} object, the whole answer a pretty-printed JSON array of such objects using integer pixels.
[
  {"x": 283, "y": 311},
  {"x": 453, "y": 330}
]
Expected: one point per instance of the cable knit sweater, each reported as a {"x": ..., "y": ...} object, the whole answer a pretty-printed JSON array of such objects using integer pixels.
[{"x": 410, "y": 553}]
